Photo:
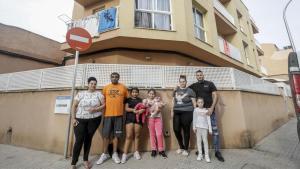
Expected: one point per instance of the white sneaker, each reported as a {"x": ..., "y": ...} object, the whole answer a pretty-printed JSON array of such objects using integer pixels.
[
  {"x": 179, "y": 151},
  {"x": 116, "y": 158},
  {"x": 199, "y": 158},
  {"x": 102, "y": 158},
  {"x": 207, "y": 159},
  {"x": 185, "y": 153},
  {"x": 137, "y": 155},
  {"x": 124, "y": 158}
]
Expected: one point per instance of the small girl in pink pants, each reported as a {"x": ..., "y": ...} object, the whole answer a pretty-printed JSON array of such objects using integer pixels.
[{"x": 155, "y": 124}]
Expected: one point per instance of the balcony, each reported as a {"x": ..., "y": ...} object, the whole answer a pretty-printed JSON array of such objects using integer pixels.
[
  {"x": 225, "y": 1},
  {"x": 98, "y": 29},
  {"x": 124, "y": 36},
  {"x": 259, "y": 48},
  {"x": 229, "y": 49},
  {"x": 225, "y": 21},
  {"x": 86, "y": 2},
  {"x": 254, "y": 26}
]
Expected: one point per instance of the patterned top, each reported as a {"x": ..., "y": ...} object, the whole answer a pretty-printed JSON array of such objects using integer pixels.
[
  {"x": 153, "y": 105},
  {"x": 201, "y": 120},
  {"x": 183, "y": 99},
  {"x": 88, "y": 100}
]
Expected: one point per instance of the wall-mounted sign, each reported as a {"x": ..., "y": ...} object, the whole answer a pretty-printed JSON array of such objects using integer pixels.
[{"x": 62, "y": 104}]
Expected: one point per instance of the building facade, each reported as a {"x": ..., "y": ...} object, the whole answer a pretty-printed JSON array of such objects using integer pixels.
[
  {"x": 150, "y": 43},
  {"x": 275, "y": 62},
  {"x": 22, "y": 50},
  {"x": 169, "y": 32}
]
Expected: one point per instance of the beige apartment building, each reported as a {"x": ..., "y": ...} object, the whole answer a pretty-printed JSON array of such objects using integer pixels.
[
  {"x": 274, "y": 62},
  {"x": 172, "y": 32},
  {"x": 150, "y": 43}
]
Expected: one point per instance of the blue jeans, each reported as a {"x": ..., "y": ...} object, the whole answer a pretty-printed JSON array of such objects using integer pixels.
[{"x": 215, "y": 132}]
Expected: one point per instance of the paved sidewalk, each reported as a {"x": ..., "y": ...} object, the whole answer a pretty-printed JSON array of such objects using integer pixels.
[{"x": 279, "y": 150}]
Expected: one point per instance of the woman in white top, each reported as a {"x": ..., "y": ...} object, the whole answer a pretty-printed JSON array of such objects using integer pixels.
[
  {"x": 87, "y": 110},
  {"x": 201, "y": 126}
]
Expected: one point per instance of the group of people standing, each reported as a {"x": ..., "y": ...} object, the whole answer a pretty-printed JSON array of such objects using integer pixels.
[{"x": 192, "y": 106}]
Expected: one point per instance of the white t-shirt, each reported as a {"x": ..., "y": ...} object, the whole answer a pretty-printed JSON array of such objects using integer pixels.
[
  {"x": 200, "y": 119},
  {"x": 88, "y": 100}
]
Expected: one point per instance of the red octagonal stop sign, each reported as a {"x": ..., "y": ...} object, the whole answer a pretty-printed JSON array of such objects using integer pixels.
[{"x": 79, "y": 39}]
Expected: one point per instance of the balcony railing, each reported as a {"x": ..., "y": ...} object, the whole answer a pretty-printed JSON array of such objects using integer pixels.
[
  {"x": 254, "y": 26},
  {"x": 229, "y": 49},
  {"x": 86, "y": 2},
  {"x": 258, "y": 44},
  {"x": 219, "y": 6},
  {"x": 144, "y": 76},
  {"x": 94, "y": 24}
]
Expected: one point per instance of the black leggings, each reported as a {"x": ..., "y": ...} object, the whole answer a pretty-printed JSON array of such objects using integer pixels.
[
  {"x": 182, "y": 120},
  {"x": 84, "y": 133}
]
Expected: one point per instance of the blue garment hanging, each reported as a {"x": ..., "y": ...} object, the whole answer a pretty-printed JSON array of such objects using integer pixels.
[{"x": 107, "y": 19}]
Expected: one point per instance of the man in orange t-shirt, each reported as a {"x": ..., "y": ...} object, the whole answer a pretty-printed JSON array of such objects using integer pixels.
[{"x": 115, "y": 95}]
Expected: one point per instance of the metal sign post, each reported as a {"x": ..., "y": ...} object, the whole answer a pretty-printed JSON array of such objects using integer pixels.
[
  {"x": 80, "y": 40},
  {"x": 70, "y": 110}
]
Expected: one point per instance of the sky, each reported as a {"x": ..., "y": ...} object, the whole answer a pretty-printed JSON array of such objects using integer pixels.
[
  {"x": 38, "y": 16},
  {"x": 268, "y": 17},
  {"x": 41, "y": 17}
]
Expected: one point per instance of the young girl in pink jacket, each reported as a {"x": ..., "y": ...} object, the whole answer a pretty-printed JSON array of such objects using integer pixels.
[{"x": 155, "y": 124}]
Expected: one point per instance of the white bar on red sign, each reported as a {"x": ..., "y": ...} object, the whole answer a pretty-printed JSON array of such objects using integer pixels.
[{"x": 79, "y": 38}]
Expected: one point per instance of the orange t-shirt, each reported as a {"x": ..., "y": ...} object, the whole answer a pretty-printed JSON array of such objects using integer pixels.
[{"x": 115, "y": 96}]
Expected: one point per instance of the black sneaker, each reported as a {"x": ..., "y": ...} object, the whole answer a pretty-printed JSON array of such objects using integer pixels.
[
  {"x": 219, "y": 156},
  {"x": 163, "y": 154},
  {"x": 153, "y": 153}
]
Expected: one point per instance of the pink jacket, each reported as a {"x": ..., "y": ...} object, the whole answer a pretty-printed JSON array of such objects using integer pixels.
[{"x": 141, "y": 106}]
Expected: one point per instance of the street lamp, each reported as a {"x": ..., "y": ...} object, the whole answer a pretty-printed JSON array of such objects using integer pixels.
[{"x": 288, "y": 28}]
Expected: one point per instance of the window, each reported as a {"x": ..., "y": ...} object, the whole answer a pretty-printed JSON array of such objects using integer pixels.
[
  {"x": 199, "y": 25},
  {"x": 246, "y": 50},
  {"x": 98, "y": 9},
  {"x": 240, "y": 18},
  {"x": 153, "y": 14}
]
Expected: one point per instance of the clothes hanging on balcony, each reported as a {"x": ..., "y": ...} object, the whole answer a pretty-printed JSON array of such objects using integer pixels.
[
  {"x": 107, "y": 19},
  {"x": 226, "y": 48},
  {"x": 92, "y": 26},
  {"x": 90, "y": 23}
]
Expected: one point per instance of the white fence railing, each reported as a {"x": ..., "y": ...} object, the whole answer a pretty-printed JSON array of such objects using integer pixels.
[
  {"x": 145, "y": 76},
  {"x": 219, "y": 6}
]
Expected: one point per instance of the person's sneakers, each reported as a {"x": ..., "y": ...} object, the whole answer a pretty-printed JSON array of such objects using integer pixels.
[
  {"x": 137, "y": 155},
  {"x": 207, "y": 159},
  {"x": 219, "y": 156},
  {"x": 116, "y": 158},
  {"x": 163, "y": 154},
  {"x": 153, "y": 153},
  {"x": 199, "y": 157},
  {"x": 124, "y": 158},
  {"x": 102, "y": 158},
  {"x": 185, "y": 153},
  {"x": 179, "y": 151},
  {"x": 197, "y": 152}
]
